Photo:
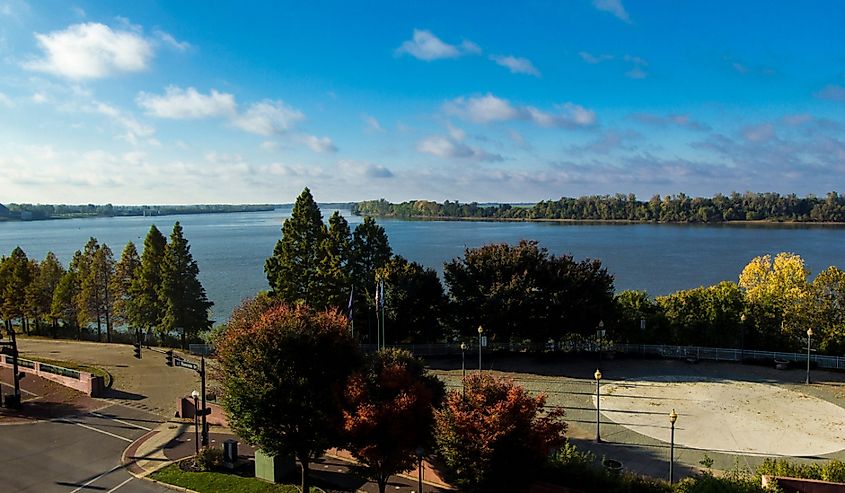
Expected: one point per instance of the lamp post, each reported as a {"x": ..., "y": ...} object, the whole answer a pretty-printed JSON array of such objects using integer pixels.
[
  {"x": 463, "y": 361},
  {"x": 742, "y": 319},
  {"x": 420, "y": 453},
  {"x": 600, "y": 335},
  {"x": 673, "y": 416},
  {"x": 809, "y": 339},
  {"x": 196, "y": 395},
  {"x": 480, "y": 332},
  {"x": 597, "y": 376}
]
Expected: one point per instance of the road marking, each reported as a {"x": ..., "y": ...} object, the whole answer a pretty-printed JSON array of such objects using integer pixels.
[
  {"x": 121, "y": 421},
  {"x": 93, "y": 429},
  {"x": 98, "y": 477},
  {"x": 11, "y": 386},
  {"x": 120, "y": 485}
]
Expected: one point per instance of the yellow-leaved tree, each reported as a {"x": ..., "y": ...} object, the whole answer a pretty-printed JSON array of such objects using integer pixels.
[{"x": 778, "y": 293}]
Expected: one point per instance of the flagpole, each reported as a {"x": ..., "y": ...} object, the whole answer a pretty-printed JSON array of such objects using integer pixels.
[{"x": 383, "y": 334}]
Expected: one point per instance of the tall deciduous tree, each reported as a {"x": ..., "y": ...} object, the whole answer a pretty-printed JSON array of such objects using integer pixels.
[
  {"x": 829, "y": 317},
  {"x": 283, "y": 370},
  {"x": 125, "y": 272},
  {"x": 17, "y": 275},
  {"x": 146, "y": 309},
  {"x": 390, "y": 413},
  {"x": 182, "y": 295},
  {"x": 414, "y": 302},
  {"x": 494, "y": 429},
  {"x": 63, "y": 306},
  {"x": 292, "y": 270}
]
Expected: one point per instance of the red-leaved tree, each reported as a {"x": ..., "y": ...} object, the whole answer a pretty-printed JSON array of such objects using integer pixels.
[
  {"x": 389, "y": 413},
  {"x": 494, "y": 438}
]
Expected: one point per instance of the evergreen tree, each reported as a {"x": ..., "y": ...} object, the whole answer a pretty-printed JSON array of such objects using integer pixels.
[
  {"x": 94, "y": 298},
  {"x": 182, "y": 295},
  {"x": 292, "y": 270},
  {"x": 63, "y": 306},
  {"x": 39, "y": 296},
  {"x": 17, "y": 276},
  {"x": 87, "y": 294},
  {"x": 370, "y": 251},
  {"x": 334, "y": 273},
  {"x": 125, "y": 272},
  {"x": 146, "y": 309}
]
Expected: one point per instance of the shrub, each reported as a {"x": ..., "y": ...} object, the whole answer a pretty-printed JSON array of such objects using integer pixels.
[
  {"x": 833, "y": 470},
  {"x": 208, "y": 459}
]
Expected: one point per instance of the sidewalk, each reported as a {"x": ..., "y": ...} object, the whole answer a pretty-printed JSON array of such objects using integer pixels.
[{"x": 173, "y": 441}]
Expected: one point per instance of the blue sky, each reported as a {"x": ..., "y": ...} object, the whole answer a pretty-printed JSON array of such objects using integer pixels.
[{"x": 248, "y": 102}]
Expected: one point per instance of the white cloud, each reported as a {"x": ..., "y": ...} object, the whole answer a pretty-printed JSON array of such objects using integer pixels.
[
  {"x": 516, "y": 65},
  {"x": 268, "y": 118},
  {"x": 759, "y": 133},
  {"x": 91, "y": 51},
  {"x": 6, "y": 101},
  {"x": 454, "y": 147},
  {"x": 133, "y": 129},
  {"x": 363, "y": 169},
  {"x": 39, "y": 97},
  {"x": 636, "y": 73},
  {"x": 187, "y": 103},
  {"x": 594, "y": 59},
  {"x": 426, "y": 46},
  {"x": 372, "y": 123},
  {"x": 489, "y": 108},
  {"x": 169, "y": 40},
  {"x": 832, "y": 92},
  {"x": 615, "y": 7},
  {"x": 482, "y": 109},
  {"x": 636, "y": 64},
  {"x": 319, "y": 144}
]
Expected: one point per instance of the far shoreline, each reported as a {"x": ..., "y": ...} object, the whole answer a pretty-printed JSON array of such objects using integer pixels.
[{"x": 620, "y": 222}]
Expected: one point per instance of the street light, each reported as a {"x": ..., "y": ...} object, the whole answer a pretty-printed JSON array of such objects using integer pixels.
[
  {"x": 196, "y": 396},
  {"x": 673, "y": 416},
  {"x": 597, "y": 376},
  {"x": 742, "y": 319},
  {"x": 480, "y": 332},
  {"x": 420, "y": 453},
  {"x": 809, "y": 338},
  {"x": 463, "y": 361},
  {"x": 600, "y": 335}
]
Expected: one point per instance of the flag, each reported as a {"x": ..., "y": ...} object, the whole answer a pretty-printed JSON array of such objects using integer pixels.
[
  {"x": 381, "y": 297},
  {"x": 349, "y": 306},
  {"x": 378, "y": 297}
]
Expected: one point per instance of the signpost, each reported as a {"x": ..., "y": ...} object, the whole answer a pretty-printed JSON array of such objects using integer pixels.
[{"x": 205, "y": 411}]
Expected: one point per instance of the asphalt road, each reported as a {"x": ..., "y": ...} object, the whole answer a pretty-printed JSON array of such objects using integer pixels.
[{"x": 74, "y": 454}]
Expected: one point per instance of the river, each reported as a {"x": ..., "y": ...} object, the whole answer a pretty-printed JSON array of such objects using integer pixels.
[{"x": 659, "y": 258}]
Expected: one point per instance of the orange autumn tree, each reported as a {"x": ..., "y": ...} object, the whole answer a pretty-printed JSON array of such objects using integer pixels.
[
  {"x": 389, "y": 413},
  {"x": 283, "y": 371},
  {"x": 494, "y": 437}
]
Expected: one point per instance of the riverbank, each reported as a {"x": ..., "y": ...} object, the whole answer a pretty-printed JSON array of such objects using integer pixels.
[{"x": 761, "y": 222}]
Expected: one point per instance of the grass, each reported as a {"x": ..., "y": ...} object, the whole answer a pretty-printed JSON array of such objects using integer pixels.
[
  {"x": 214, "y": 482},
  {"x": 73, "y": 365}
]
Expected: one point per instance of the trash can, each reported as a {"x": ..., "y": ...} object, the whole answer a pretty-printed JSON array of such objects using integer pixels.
[{"x": 230, "y": 452}]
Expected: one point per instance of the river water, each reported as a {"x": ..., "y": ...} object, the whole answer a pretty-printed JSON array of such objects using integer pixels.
[{"x": 659, "y": 258}]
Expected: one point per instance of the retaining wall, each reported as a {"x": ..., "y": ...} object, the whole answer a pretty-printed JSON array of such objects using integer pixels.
[{"x": 82, "y": 381}]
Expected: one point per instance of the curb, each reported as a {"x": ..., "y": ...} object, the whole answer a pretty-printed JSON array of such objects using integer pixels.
[{"x": 133, "y": 467}]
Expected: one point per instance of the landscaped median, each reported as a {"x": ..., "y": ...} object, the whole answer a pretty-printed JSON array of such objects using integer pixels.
[{"x": 219, "y": 482}]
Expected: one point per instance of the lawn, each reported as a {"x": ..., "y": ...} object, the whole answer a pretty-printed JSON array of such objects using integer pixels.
[
  {"x": 73, "y": 365},
  {"x": 218, "y": 482}
]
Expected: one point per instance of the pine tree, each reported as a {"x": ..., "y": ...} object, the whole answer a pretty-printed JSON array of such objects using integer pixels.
[
  {"x": 335, "y": 267},
  {"x": 182, "y": 295},
  {"x": 63, "y": 306},
  {"x": 125, "y": 272},
  {"x": 292, "y": 270},
  {"x": 146, "y": 309},
  {"x": 17, "y": 276},
  {"x": 370, "y": 252},
  {"x": 39, "y": 296}
]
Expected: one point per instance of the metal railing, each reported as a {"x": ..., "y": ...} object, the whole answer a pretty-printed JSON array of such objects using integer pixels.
[{"x": 58, "y": 370}]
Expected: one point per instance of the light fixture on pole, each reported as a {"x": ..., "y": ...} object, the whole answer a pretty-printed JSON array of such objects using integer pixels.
[
  {"x": 420, "y": 454},
  {"x": 597, "y": 376},
  {"x": 196, "y": 396},
  {"x": 600, "y": 336},
  {"x": 673, "y": 416},
  {"x": 480, "y": 336},
  {"x": 809, "y": 339},
  {"x": 463, "y": 361}
]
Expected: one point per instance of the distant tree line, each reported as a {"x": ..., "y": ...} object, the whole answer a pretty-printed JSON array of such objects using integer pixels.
[
  {"x": 678, "y": 208},
  {"x": 62, "y": 211},
  {"x": 158, "y": 290}
]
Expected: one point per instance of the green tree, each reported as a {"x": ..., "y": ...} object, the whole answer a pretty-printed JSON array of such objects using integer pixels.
[
  {"x": 125, "y": 272},
  {"x": 414, "y": 302},
  {"x": 39, "y": 295},
  {"x": 631, "y": 308},
  {"x": 293, "y": 269},
  {"x": 283, "y": 370},
  {"x": 829, "y": 311},
  {"x": 334, "y": 273},
  {"x": 94, "y": 299},
  {"x": 390, "y": 413},
  {"x": 17, "y": 275},
  {"x": 370, "y": 251},
  {"x": 63, "y": 306},
  {"x": 182, "y": 295},
  {"x": 494, "y": 429},
  {"x": 146, "y": 309}
]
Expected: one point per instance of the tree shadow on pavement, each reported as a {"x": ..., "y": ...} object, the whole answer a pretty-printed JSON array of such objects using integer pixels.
[{"x": 121, "y": 395}]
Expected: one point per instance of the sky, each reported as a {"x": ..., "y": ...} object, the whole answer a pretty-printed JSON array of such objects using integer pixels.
[{"x": 249, "y": 102}]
